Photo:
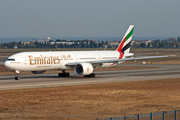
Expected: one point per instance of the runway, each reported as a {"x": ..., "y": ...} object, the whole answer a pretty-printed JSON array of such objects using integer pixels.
[
  {"x": 51, "y": 80},
  {"x": 3, "y": 59},
  {"x": 2, "y": 62}
]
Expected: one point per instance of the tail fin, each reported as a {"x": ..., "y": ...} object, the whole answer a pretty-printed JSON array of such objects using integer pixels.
[{"x": 124, "y": 46}]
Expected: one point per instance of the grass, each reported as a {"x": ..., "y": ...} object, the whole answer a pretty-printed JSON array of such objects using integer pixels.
[{"x": 91, "y": 101}]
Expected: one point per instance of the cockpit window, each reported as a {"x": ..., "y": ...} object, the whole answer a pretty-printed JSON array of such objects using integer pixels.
[{"x": 10, "y": 59}]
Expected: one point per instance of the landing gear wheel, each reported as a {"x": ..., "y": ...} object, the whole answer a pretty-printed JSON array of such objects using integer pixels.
[
  {"x": 67, "y": 74},
  {"x": 16, "y": 78},
  {"x": 93, "y": 74},
  {"x": 86, "y": 75},
  {"x": 17, "y": 74},
  {"x": 59, "y": 74},
  {"x": 90, "y": 75},
  {"x": 64, "y": 74}
]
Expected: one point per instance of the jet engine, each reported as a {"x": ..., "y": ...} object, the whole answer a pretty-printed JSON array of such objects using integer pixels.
[
  {"x": 83, "y": 68},
  {"x": 37, "y": 72}
]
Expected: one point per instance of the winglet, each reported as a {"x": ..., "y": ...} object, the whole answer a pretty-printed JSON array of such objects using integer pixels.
[{"x": 124, "y": 46}]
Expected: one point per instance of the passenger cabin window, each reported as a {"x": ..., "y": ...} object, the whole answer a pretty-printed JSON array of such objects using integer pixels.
[{"x": 10, "y": 59}]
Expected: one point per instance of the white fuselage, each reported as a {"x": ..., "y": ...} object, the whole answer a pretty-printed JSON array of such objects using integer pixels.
[{"x": 56, "y": 60}]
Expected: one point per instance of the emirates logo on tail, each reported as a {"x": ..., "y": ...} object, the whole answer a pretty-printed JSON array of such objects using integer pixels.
[{"x": 124, "y": 46}]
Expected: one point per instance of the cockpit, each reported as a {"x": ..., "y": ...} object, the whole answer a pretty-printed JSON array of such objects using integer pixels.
[{"x": 10, "y": 59}]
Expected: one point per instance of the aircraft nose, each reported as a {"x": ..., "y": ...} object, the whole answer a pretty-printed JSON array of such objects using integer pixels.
[
  {"x": 6, "y": 64},
  {"x": 10, "y": 63}
]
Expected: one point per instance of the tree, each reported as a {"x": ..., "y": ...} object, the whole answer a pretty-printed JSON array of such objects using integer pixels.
[
  {"x": 162, "y": 45},
  {"x": 58, "y": 40},
  {"x": 178, "y": 39},
  {"x": 155, "y": 44},
  {"x": 149, "y": 45},
  {"x": 143, "y": 45},
  {"x": 91, "y": 44}
]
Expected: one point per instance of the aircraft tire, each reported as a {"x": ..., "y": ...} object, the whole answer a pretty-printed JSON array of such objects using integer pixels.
[
  {"x": 63, "y": 74},
  {"x": 67, "y": 74},
  {"x": 59, "y": 74},
  {"x": 93, "y": 75},
  {"x": 16, "y": 78},
  {"x": 86, "y": 75},
  {"x": 90, "y": 75}
]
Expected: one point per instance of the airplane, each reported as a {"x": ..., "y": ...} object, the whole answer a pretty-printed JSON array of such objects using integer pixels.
[{"x": 83, "y": 62}]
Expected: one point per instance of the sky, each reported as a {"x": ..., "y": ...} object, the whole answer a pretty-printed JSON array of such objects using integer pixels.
[{"x": 89, "y": 18}]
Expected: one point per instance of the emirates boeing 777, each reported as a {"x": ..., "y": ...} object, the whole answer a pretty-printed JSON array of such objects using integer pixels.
[{"x": 83, "y": 62}]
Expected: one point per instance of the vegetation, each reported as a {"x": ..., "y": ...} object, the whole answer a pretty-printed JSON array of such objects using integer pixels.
[
  {"x": 168, "y": 43},
  {"x": 55, "y": 44}
]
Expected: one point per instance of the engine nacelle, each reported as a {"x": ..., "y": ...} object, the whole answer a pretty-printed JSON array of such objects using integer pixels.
[
  {"x": 83, "y": 68},
  {"x": 37, "y": 72}
]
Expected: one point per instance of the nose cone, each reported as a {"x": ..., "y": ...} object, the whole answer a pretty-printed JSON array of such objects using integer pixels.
[{"x": 7, "y": 65}]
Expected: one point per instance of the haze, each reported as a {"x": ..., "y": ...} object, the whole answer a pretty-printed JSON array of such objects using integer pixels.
[{"x": 88, "y": 18}]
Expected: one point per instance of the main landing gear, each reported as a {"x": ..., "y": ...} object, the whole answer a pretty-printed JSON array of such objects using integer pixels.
[
  {"x": 64, "y": 74},
  {"x": 16, "y": 74},
  {"x": 90, "y": 75}
]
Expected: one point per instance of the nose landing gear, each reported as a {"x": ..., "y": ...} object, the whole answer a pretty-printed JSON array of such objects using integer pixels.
[{"x": 16, "y": 74}]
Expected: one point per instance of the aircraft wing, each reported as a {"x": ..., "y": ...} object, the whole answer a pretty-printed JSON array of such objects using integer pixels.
[
  {"x": 115, "y": 60},
  {"x": 139, "y": 55}
]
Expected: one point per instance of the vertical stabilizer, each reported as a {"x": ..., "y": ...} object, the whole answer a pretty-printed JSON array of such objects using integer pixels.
[{"x": 124, "y": 46}]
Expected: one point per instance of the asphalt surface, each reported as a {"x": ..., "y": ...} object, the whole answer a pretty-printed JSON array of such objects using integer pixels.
[
  {"x": 52, "y": 80},
  {"x": 3, "y": 59},
  {"x": 2, "y": 62}
]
